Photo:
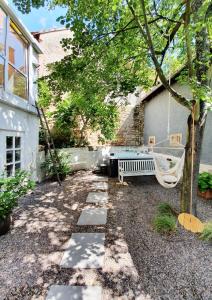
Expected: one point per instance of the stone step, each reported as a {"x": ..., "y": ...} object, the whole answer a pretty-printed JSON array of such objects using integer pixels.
[
  {"x": 84, "y": 250},
  {"x": 100, "y": 185},
  {"x": 64, "y": 292},
  {"x": 97, "y": 197},
  {"x": 93, "y": 216}
]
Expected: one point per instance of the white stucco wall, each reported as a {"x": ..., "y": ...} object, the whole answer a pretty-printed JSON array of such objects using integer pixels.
[
  {"x": 156, "y": 121},
  {"x": 15, "y": 122}
]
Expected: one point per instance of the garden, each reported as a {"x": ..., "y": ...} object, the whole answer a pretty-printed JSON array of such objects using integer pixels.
[{"x": 116, "y": 221}]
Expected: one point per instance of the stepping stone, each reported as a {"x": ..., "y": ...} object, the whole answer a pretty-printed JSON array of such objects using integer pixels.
[
  {"x": 97, "y": 197},
  {"x": 64, "y": 292},
  {"x": 100, "y": 185},
  {"x": 93, "y": 216},
  {"x": 84, "y": 250}
]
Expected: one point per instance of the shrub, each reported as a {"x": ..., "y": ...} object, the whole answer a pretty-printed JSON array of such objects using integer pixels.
[
  {"x": 63, "y": 168},
  {"x": 166, "y": 209},
  {"x": 205, "y": 181},
  {"x": 164, "y": 223},
  {"x": 11, "y": 189},
  {"x": 206, "y": 235}
]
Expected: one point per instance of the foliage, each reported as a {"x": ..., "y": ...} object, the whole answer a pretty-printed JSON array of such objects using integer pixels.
[
  {"x": 205, "y": 181},
  {"x": 44, "y": 94},
  {"x": 164, "y": 223},
  {"x": 166, "y": 209},
  {"x": 63, "y": 168},
  {"x": 165, "y": 220},
  {"x": 206, "y": 235},
  {"x": 77, "y": 111},
  {"x": 11, "y": 189}
]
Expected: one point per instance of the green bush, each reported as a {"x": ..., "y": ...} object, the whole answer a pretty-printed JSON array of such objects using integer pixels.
[
  {"x": 164, "y": 223},
  {"x": 206, "y": 235},
  {"x": 11, "y": 189},
  {"x": 63, "y": 168},
  {"x": 166, "y": 209},
  {"x": 205, "y": 181}
]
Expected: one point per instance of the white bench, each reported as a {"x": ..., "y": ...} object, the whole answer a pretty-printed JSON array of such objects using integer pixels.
[{"x": 137, "y": 167}]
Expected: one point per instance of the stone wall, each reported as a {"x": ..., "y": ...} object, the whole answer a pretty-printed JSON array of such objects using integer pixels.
[{"x": 131, "y": 128}]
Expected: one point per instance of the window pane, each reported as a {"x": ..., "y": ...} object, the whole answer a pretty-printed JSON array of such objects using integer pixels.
[
  {"x": 17, "y": 155},
  {"x": 17, "y": 142},
  {"x": 1, "y": 71},
  {"x": 17, "y": 48},
  {"x": 9, "y": 142},
  {"x": 17, "y": 83},
  {"x": 17, "y": 166},
  {"x": 2, "y": 31},
  {"x": 9, "y": 170},
  {"x": 9, "y": 156}
]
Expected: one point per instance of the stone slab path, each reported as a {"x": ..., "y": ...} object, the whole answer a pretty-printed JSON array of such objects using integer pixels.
[
  {"x": 84, "y": 250},
  {"x": 93, "y": 216},
  {"x": 101, "y": 185},
  {"x": 97, "y": 197},
  {"x": 61, "y": 292}
]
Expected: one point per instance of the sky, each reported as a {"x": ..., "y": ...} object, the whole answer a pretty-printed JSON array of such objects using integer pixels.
[{"x": 40, "y": 19}]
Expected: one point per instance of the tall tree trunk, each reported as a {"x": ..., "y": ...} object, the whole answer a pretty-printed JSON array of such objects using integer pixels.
[
  {"x": 201, "y": 69},
  {"x": 190, "y": 182}
]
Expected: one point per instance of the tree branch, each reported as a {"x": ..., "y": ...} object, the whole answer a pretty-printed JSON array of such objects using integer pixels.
[{"x": 147, "y": 36}]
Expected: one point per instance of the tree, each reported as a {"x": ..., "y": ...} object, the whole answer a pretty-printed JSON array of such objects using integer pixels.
[
  {"x": 76, "y": 111},
  {"x": 117, "y": 45}
]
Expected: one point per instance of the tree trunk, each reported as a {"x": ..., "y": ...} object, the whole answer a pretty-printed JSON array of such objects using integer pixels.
[
  {"x": 201, "y": 69},
  {"x": 188, "y": 203}
]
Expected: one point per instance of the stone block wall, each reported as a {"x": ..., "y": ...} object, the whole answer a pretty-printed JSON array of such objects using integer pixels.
[{"x": 131, "y": 128}]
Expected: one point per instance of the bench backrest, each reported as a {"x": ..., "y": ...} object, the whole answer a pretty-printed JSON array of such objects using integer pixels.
[{"x": 137, "y": 165}]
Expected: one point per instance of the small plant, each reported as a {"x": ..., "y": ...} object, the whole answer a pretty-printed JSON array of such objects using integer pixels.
[
  {"x": 11, "y": 189},
  {"x": 164, "y": 223},
  {"x": 166, "y": 209},
  {"x": 205, "y": 181},
  {"x": 63, "y": 168},
  {"x": 206, "y": 235}
]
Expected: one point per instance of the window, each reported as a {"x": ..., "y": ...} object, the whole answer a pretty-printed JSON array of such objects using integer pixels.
[
  {"x": 151, "y": 140},
  {"x": 13, "y": 58},
  {"x": 13, "y": 154},
  {"x": 2, "y": 31},
  {"x": 175, "y": 139},
  {"x": 1, "y": 72}
]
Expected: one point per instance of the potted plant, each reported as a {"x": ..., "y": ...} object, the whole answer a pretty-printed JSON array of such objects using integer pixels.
[
  {"x": 205, "y": 185},
  {"x": 11, "y": 189}
]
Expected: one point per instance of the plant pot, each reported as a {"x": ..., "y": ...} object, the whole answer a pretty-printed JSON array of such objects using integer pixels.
[
  {"x": 5, "y": 225},
  {"x": 206, "y": 194}
]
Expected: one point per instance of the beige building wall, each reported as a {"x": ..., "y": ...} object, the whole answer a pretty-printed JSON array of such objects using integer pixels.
[{"x": 52, "y": 49}]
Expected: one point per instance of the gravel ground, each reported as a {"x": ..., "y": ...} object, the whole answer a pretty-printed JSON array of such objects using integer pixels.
[
  {"x": 139, "y": 263},
  {"x": 177, "y": 266}
]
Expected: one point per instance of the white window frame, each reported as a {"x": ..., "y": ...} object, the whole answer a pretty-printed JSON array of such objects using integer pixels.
[
  {"x": 13, "y": 149},
  {"x": 151, "y": 137},
  {"x": 5, "y": 57},
  {"x": 175, "y": 139}
]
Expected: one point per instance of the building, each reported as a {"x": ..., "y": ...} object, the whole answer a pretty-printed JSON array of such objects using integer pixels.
[
  {"x": 52, "y": 51},
  {"x": 19, "y": 123},
  {"x": 165, "y": 123}
]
